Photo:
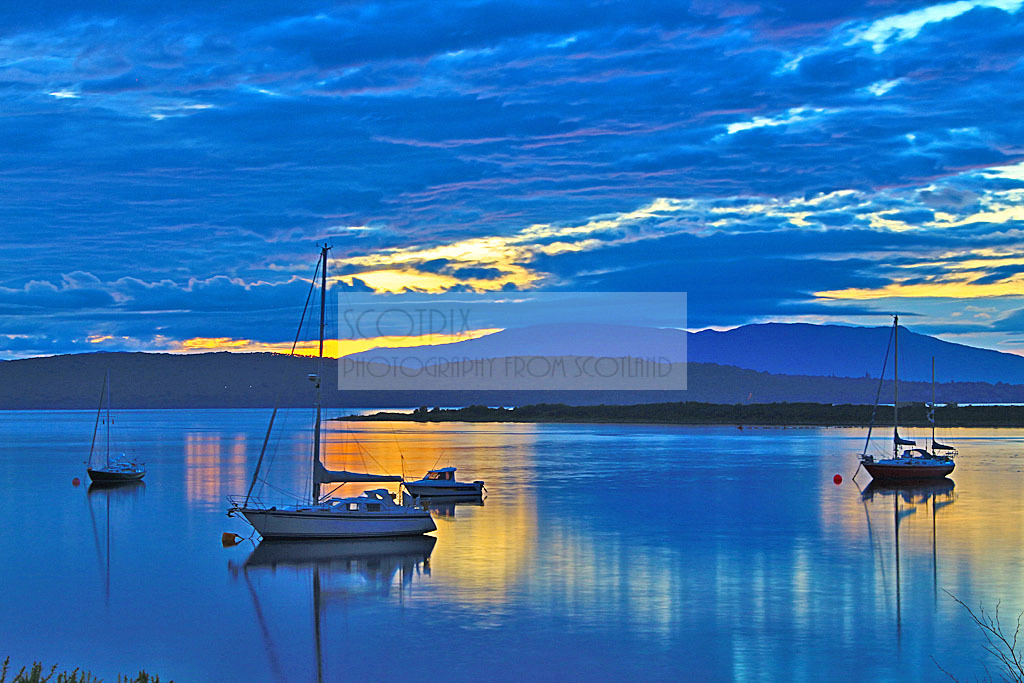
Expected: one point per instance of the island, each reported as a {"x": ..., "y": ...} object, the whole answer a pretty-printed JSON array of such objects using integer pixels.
[{"x": 693, "y": 413}]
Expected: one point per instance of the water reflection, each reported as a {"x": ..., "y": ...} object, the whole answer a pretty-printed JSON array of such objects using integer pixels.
[
  {"x": 213, "y": 463},
  {"x": 488, "y": 550},
  {"x": 731, "y": 555},
  {"x": 906, "y": 500},
  {"x": 339, "y": 571},
  {"x": 375, "y": 561},
  {"x": 123, "y": 496},
  {"x": 121, "y": 490},
  {"x": 444, "y": 508}
]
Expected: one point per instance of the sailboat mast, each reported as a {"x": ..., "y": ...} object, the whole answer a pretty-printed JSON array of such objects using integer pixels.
[
  {"x": 96, "y": 426},
  {"x": 319, "y": 373},
  {"x": 108, "y": 417},
  {"x": 931, "y": 415},
  {"x": 896, "y": 386}
]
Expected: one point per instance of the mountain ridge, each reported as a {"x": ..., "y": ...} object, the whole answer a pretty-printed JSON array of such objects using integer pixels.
[
  {"x": 255, "y": 380},
  {"x": 777, "y": 348}
]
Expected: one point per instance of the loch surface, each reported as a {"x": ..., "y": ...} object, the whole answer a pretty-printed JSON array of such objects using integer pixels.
[{"x": 600, "y": 552}]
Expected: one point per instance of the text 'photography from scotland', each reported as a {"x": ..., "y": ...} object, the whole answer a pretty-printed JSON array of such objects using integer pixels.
[{"x": 512, "y": 341}]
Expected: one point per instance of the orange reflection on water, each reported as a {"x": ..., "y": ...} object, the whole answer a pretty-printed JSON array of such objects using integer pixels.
[
  {"x": 213, "y": 463},
  {"x": 963, "y": 534},
  {"x": 486, "y": 555},
  {"x": 482, "y": 552}
]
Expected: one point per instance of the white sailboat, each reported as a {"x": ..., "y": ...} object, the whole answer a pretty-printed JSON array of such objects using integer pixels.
[
  {"x": 375, "y": 513},
  {"x": 110, "y": 470}
]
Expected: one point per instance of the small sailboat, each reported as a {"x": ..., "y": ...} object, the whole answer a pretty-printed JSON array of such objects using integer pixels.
[
  {"x": 375, "y": 513},
  {"x": 441, "y": 483},
  {"x": 908, "y": 463},
  {"x": 111, "y": 470}
]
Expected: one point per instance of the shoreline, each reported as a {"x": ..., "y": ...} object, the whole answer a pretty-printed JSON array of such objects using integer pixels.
[{"x": 712, "y": 414}]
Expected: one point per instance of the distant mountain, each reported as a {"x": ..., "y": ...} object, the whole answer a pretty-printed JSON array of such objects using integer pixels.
[
  {"x": 843, "y": 351},
  {"x": 569, "y": 339},
  {"x": 252, "y": 380},
  {"x": 778, "y": 348}
]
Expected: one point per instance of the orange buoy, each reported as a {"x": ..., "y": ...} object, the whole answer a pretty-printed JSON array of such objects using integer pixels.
[
  {"x": 837, "y": 480},
  {"x": 75, "y": 481},
  {"x": 228, "y": 539}
]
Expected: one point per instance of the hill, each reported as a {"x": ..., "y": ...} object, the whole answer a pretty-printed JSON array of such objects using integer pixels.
[
  {"x": 241, "y": 380},
  {"x": 778, "y": 348}
]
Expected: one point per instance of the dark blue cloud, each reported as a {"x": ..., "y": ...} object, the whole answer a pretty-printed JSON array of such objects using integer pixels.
[{"x": 188, "y": 156}]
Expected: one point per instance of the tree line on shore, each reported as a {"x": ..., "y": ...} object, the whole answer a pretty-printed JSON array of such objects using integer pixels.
[{"x": 796, "y": 414}]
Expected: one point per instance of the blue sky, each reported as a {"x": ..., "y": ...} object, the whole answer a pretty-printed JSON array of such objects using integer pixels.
[{"x": 165, "y": 172}]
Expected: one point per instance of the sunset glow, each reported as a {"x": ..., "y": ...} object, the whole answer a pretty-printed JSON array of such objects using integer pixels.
[{"x": 333, "y": 348}]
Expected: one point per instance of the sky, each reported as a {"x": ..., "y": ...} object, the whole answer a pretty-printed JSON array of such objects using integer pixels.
[{"x": 167, "y": 169}]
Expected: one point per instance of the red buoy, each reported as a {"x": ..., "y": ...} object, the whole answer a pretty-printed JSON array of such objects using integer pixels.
[
  {"x": 75, "y": 481},
  {"x": 838, "y": 479}
]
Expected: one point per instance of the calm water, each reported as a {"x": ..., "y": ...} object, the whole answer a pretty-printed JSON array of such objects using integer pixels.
[{"x": 602, "y": 552}]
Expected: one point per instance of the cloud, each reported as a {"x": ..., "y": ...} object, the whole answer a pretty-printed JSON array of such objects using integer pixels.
[
  {"x": 794, "y": 115},
  {"x": 189, "y": 156},
  {"x": 882, "y": 33}
]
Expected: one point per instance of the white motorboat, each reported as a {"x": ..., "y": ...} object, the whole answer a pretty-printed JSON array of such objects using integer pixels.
[{"x": 441, "y": 483}]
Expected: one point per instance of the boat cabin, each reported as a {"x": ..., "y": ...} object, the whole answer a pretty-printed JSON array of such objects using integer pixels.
[
  {"x": 371, "y": 501},
  {"x": 443, "y": 474},
  {"x": 923, "y": 453}
]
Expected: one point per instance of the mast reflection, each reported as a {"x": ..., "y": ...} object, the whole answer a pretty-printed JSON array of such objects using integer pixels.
[
  {"x": 340, "y": 571},
  {"x": 119, "y": 493},
  {"x": 907, "y": 499}
]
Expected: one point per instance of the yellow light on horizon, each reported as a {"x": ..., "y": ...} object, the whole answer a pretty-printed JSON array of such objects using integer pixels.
[
  {"x": 397, "y": 281},
  {"x": 952, "y": 289},
  {"x": 333, "y": 348}
]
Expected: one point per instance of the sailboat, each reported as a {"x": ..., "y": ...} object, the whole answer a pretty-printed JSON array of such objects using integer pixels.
[
  {"x": 116, "y": 469},
  {"x": 374, "y": 513},
  {"x": 908, "y": 463}
]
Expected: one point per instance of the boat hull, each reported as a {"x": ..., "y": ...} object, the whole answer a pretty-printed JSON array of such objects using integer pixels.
[
  {"x": 447, "y": 489},
  {"x": 908, "y": 471},
  {"x": 328, "y": 524},
  {"x": 108, "y": 477}
]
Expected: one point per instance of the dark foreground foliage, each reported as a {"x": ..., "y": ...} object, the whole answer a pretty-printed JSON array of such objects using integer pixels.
[{"x": 37, "y": 674}]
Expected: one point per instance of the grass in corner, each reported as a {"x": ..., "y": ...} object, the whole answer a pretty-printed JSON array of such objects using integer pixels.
[{"x": 36, "y": 674}]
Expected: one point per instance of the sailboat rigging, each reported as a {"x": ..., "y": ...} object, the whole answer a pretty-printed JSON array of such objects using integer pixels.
[
  {"x": 908, "y": 463},
  {"x": 374, "y": 513},
  {"x": 119, "y": 468}
]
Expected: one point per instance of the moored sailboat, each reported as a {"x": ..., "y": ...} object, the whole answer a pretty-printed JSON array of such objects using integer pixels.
[
  {"x": 112, "y": 470},
  {"x": 908, "y": 463},
  {"x": 375, "y": 513}
]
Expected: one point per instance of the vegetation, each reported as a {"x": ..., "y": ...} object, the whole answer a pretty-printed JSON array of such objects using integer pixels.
[
  {"x": 782, "y": 414},
  {"x": 36, "y": 674},
  {"x": 1000, "y": 644}
]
